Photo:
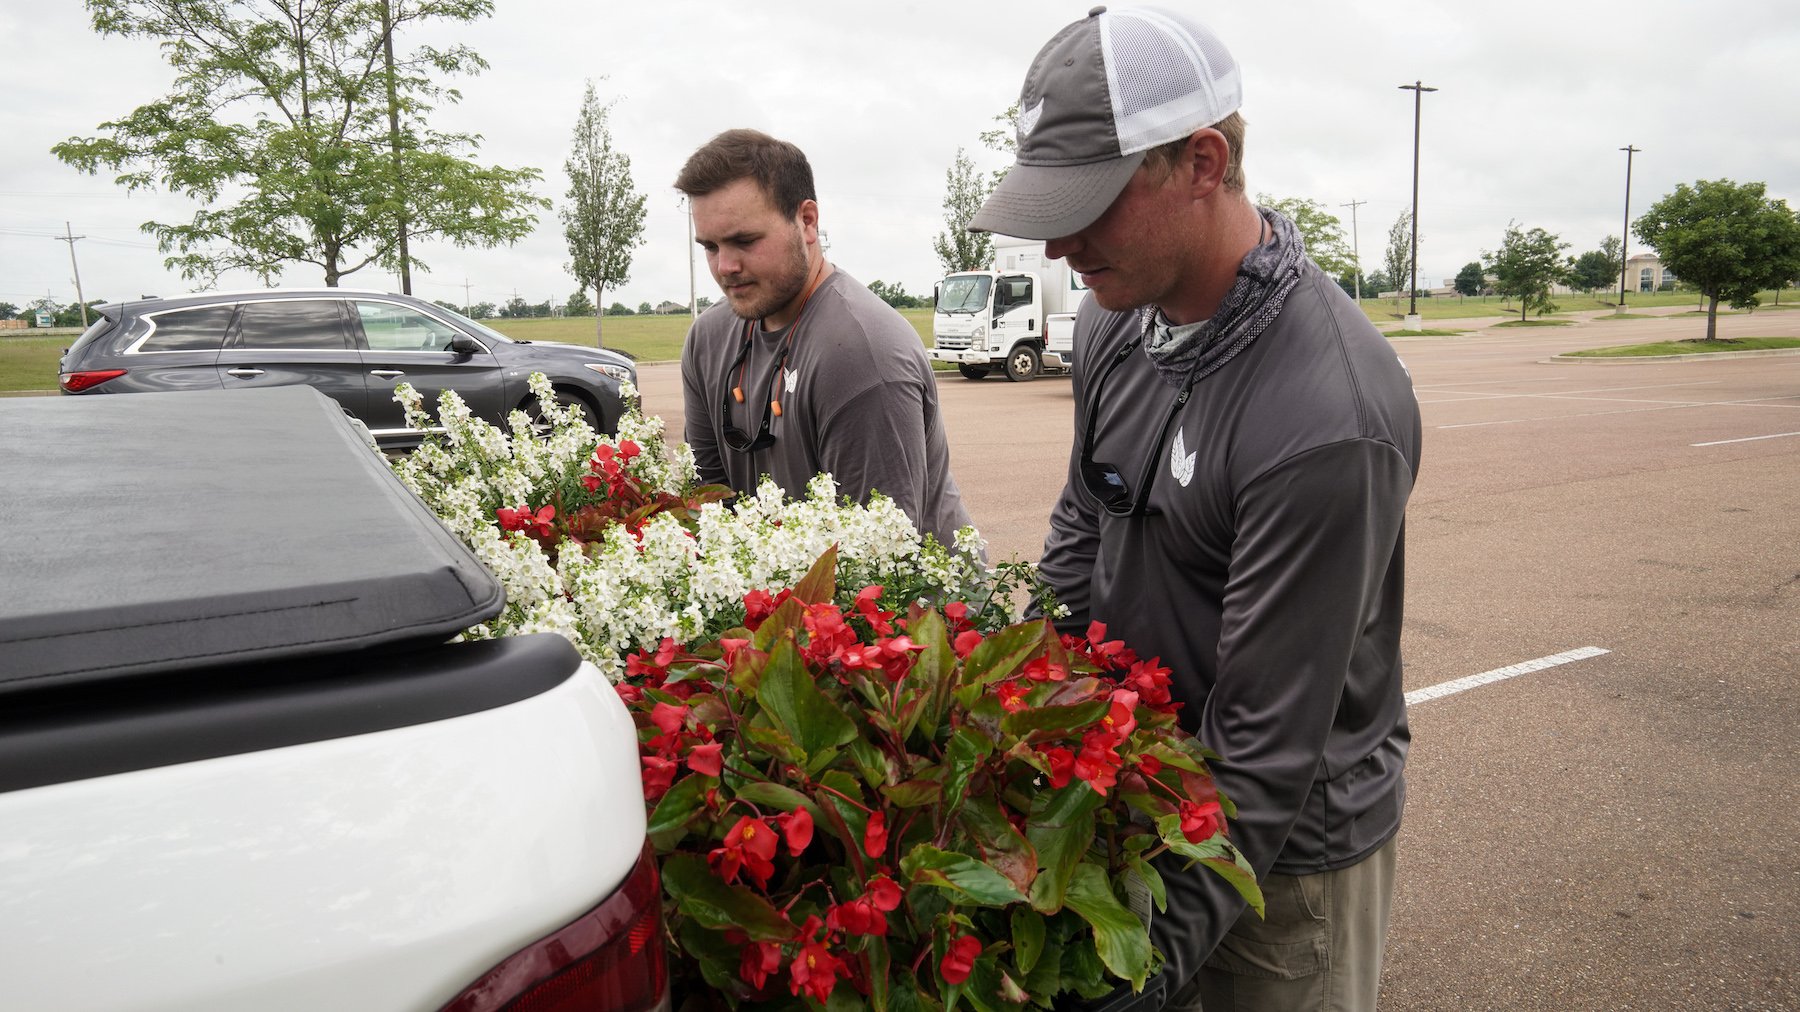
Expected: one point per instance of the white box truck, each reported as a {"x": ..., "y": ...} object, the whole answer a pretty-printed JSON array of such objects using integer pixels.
[{"x": 1018, "y": 317}]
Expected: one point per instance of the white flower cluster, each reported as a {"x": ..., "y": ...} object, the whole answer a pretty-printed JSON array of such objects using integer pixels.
[{"x": 629, "y": 589}]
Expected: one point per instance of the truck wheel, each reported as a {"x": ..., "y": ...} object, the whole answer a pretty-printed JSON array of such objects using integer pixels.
[
  {"x": 973, "y": 372},
  {"x": 1023, "y": 363}
]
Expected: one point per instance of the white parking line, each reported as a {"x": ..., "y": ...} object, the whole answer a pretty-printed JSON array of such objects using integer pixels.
[
  {"x": 1746, "y": 439},
  {"x": 1442, "y": 689}
]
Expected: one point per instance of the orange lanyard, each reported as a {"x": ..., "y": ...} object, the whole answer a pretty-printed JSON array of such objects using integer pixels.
[{"x": 787, "y": 345}]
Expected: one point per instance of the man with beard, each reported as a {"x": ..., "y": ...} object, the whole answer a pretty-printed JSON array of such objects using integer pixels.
[
  {"x": 801, "y": 369},
  {"x": 1245, "y": 445}
]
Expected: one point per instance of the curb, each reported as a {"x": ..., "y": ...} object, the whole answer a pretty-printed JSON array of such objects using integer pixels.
[{"x": 1615, "y": 359}]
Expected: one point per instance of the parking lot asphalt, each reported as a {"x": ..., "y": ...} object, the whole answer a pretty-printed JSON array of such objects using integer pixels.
[{"x": 1605, "y": 828}]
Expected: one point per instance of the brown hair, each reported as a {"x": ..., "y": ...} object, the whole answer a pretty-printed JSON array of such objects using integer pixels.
[
  {"x": 779, "y": 168},
  {"x": 1163, "y": 157}
]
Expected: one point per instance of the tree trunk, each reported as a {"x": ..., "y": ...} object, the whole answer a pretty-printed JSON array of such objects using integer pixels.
[
  {"x": 599, "y": 313},
  {"x": 1712, "y": 320}
]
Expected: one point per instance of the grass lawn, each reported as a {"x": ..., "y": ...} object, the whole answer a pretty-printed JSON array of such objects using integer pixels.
[
  {"x": 1539, "y": 322},
  {"x": 29, "y": 363},
  {"x": 646, "y": 338},
  {"x": 1694, "y": 346},
  {"x": 1456, "y": 306},
  {"x": 1427, "y": 332}
]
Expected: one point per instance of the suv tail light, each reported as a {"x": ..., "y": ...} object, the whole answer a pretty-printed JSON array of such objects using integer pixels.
[
  {"x": 76, "y": 382},
  {"x": 610, "y": 958}
]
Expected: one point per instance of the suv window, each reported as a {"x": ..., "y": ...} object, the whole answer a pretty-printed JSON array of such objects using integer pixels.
[
  {"x": 309, "y": 324},
  {"x": 390, "y": 327},
  {"x": 188, "y": 329}
]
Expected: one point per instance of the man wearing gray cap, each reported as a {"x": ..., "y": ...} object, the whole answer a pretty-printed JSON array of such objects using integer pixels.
[{"x": 1245, "y": 445}]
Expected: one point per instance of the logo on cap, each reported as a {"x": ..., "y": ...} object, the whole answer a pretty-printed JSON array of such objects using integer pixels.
[{"x": 1029, "y": 118}]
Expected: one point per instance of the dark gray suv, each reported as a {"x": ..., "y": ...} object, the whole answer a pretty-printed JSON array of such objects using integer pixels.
[{"x": 354, "y": 346}]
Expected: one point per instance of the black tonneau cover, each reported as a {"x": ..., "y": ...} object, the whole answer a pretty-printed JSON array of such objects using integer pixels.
[{"x": 155, "y": 532}]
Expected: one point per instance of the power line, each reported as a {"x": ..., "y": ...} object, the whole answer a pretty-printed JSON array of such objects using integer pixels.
[{"x": 69, "y": 237}]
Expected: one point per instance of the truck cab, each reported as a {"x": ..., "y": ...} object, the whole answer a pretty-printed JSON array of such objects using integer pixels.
[{"x": 1018, "y": 317}]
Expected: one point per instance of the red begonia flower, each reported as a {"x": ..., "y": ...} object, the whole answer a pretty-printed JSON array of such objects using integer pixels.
[
  {"x": 966, "y": 642},
  {"x": 668, "y": 717},
  {"x": 1062, "y": 765},
  {"x": 959, "y": 958},
  {"x": 875, "y": 837},
  {"x": 759, "y": 959},
  {"x": 705, "y": 758},
  {"x": 749, "y": 845},
  {"x": 815, "y": 970},
  {"x": 659, "y": 775},
  {"x": 1200, "y": 821},
  {"x": 797, "y": 828}
]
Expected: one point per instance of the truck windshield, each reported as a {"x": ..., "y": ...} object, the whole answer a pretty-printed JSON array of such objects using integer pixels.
[{"x": 966, "y": 293}]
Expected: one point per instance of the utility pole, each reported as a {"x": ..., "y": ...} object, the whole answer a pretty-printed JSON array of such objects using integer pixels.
[
  {"x": 1625, "y": 230},
  {"x": 693, "y": 296},
  {"x": 1412, "y": 306},
  {"x": 468, "y": 307},
  {"x": 80, "y": 299},
  {"x": 1355, "y": 248}
]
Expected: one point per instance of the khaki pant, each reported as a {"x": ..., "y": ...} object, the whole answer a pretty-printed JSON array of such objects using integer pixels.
[{"x": 1319, "y": 950}]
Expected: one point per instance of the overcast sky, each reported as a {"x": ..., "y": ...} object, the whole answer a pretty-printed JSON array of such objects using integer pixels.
[{"x": 1535, "y": 100}]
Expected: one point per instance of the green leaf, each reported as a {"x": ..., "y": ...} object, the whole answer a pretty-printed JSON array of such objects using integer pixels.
[
  {"x": 914, "y": 793},
  {"x": 1061, "y": 831},
  {"x": 819, "y": 584},
  {"x": 967, "y": 879},
  {"x": 1055, "y": 718},
  {"x": 1218, "y": 854},
  {"x": 1000, "y": 655},
  {"x": 718, "y": 905},
  {"x": 789, "y": 697},
  {"x": 668, "y": 823},
  {"x": 930, "y": 679},
  {"x": 907, "y": 997},
  {"x": 772, "y": 795},
  {"x": 992, "y": 834},
  {"x": 1153, "y": 879},
  {"x": 1027, "y": 938},
  {"x": 874, "y": 765},
  {"x": 773, "y": 742},
  {"x": 787, "y": 617},
  {"x": 1119, "y": 937},
  {"x": 968, "y": 748}
]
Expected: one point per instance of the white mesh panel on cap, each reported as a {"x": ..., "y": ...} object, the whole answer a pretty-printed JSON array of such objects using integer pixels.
[{"x": 1168, "y": 76}]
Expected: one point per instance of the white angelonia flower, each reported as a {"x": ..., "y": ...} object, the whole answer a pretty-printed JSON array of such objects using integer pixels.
[{"x": 625, "y": 591}]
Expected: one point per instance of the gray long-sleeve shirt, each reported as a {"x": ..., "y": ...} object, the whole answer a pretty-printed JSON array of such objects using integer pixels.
[
  {"x": 858, "y": 399},
  {"x": 1270, "y": 579}
]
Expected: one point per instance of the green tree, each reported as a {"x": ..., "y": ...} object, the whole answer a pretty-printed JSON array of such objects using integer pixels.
[
  {"x": 579, "y": 304},
  {"x": 482, "y": 311},
  {"x": 1526, "y": 265},
  {"x": 516, "y": 308},
  {"x": 894, "y": 295},
  {"x": 645, "y": 309},
  {"x": 1377, "y": 282},
  {"x": 959, "y": 249},
  {"x": 1726, "y": 240},
  {"x": 1470, "y": 279},
  {"x": 278, "y": 126},
  {"x": 1398, "y": 255},
  {"x": 1596, "y": 269},
  {"x": 619, "y": 309},
  {"x": 8, "y": 311},
  {"x": 702, "y": 303},
  {"x": 604, "y": 219},
  {"x": 1320, "y": 230}
]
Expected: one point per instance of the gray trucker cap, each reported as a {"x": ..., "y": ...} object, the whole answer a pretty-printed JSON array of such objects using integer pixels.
[{"x": 1102, "y": 92}]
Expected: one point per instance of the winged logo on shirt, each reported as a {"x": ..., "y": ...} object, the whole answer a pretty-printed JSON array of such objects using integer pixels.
[
  {"x": 1181, "y": 462},
  {"x": 793, "y": 377}
]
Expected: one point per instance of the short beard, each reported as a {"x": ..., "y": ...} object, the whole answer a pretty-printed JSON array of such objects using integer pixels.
[{"x": 787, "y": 286}]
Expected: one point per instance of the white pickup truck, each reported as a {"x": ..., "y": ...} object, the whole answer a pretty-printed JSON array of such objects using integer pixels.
[
  {"x": 1018, "y": 318},
  {"x": 241, "y": 764}
]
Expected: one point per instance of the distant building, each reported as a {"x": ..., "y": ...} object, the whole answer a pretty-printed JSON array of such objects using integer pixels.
[
  {"x": 666, "y": 308},
  {"x": 1644, "y": 272}
]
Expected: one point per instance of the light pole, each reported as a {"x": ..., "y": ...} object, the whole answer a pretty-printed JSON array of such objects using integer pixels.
[
  {"x": 1625, "y": 230},
  {"x": 1355, "y": 249},
  {"x": 1412, "y": 304}
]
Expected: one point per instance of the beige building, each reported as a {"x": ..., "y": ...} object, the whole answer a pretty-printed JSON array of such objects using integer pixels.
[{"x": 1644, "y": 272}]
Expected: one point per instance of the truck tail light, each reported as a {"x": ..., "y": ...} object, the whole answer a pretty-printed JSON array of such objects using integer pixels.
[
  {"x": 76, "y": 382},
  {"x": 610, "y": 958}
]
